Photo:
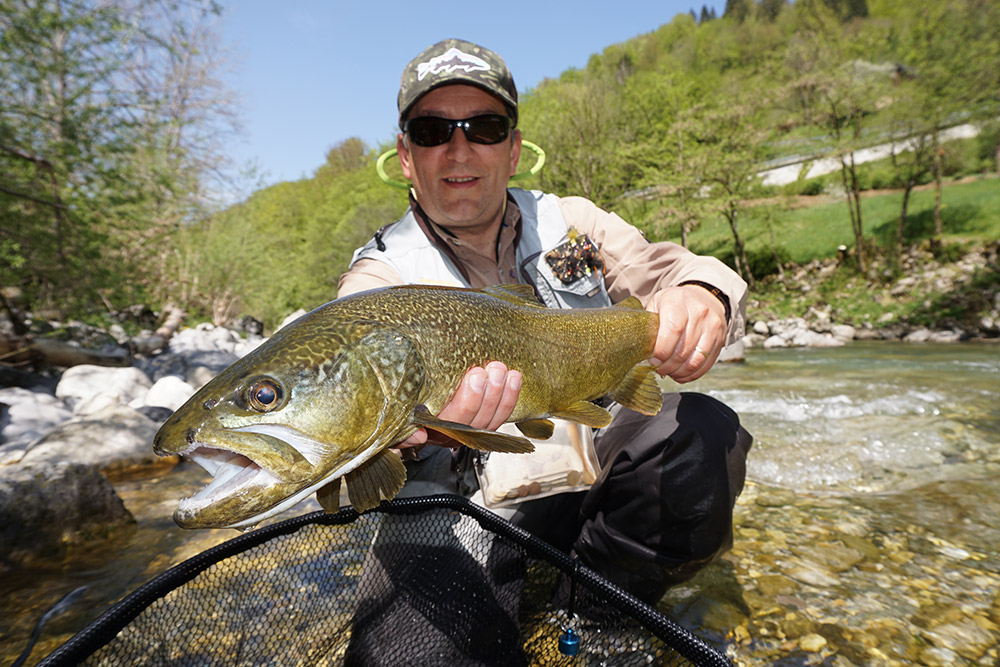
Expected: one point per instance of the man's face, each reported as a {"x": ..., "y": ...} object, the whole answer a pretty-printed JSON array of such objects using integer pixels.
[{"x": 460, "y": 184}]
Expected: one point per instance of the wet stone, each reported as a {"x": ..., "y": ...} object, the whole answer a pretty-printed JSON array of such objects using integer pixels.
[
  {"x": 965, "y": 638},
  {"x": 862, "y": 545},
  {"x": 812, "y": 643},
  {"x": 834, "y": 557},
  {"x": 807, "y": 572},
  {"x": 773, "y": 585},
  {"x": 776, "y": 498}
]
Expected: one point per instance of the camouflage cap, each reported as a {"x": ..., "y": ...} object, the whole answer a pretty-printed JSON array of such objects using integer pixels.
[{"x": 456, "y": 61}]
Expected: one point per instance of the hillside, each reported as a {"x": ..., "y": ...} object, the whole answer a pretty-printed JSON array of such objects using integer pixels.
[{"x": 668, "y": 129}]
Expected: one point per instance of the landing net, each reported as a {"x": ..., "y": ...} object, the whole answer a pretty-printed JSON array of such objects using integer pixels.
[{"x": 417, "y": 581}]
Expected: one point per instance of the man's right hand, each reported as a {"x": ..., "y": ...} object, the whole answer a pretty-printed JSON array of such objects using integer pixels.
[{"x": 485, "y": 399}]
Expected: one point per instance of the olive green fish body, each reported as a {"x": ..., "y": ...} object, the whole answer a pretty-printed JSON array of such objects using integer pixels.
[{"x": 326, "y": 396}]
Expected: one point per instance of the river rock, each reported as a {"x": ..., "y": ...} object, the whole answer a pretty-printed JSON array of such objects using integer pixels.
[
  {"x": 964, "y": 638},
  {"x": 808, "y": 572},
  {"x": 733, "y": 353},
  {"x": 117, "y": 435},
  {"x": 203, "y": 365},
  {"x": 169, "y": 391},
  {"x": 833, "y": 557},
  {"x": 91, "y": 389},
  {"x": 46, "y": 506},
  {"x": 812, "y": 643},
  {"x": 28, "y": 415},
  {"x": 843, "y": 332}
]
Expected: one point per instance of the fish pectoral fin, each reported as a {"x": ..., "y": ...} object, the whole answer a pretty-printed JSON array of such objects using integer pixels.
[
  {"x": 584, "y": 412},
  {"x": 472, "y": 437},
  {"x": 329, "y": 496},
  {"x": 638, "y": 390},
  {"x": 540, "y": 429},
  {"x": 382, "y": 476}
]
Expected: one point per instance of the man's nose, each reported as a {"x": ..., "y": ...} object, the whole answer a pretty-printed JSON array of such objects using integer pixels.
[{"x": 458, "y": 145}]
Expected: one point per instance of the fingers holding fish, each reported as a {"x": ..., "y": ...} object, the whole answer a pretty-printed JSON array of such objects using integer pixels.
[
  {"x": 486, "y": 397},
  {"x": 691, "y": 332}
]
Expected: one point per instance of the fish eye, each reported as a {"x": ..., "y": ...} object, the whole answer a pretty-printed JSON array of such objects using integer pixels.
[{"x": 264, "y": 395}]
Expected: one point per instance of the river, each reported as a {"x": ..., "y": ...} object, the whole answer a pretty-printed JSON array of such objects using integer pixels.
[{"x": 866, "y": 535}]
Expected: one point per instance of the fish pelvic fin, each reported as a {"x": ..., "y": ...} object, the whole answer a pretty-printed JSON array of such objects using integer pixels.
[
  {"x": 638, "y": 390},
  {"x": 382, "y": 476},
  {"x": 584, "y": 412},
  {"x": 540, "y": 429},
  {"x": 329, "y": 496},
  {"x": 472, "y": 437}
]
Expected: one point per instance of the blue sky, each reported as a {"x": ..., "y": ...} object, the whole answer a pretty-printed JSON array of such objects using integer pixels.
[{"x": 310, "y": 74}]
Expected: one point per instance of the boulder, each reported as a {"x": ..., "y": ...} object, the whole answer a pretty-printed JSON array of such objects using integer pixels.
[
  {"x": 843, "y": 332},
  {"x": 733, "y": 353},
  {"x": 45, "y": 507},
  {"x": 90, "y": 389},
  {"x": 920, "y": 335},
  {"x": 26, "y": 416},
  {"x": 169, "y": 391},
  {"x": 116, "y": 437}
]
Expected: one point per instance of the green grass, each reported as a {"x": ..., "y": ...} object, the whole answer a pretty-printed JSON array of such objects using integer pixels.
[
  {"x": 805, "y": 229},
  {"x": 971, "y": 213}
]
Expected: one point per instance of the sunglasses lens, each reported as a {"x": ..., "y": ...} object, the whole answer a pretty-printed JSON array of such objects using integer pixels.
[
  {"x": 429, "y": 130},
  {"x": 491, "y": 129},
  {"x": 434, "y": 131}
]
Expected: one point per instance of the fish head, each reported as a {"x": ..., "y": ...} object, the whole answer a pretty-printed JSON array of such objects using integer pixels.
[{"x": 281, "y": 422}]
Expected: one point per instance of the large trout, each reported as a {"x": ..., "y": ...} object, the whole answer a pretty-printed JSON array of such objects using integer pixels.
[{"x": 326, "y": 396}]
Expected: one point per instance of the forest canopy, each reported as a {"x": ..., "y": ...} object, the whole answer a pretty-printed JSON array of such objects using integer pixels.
[{"x": 112, "y": 121}]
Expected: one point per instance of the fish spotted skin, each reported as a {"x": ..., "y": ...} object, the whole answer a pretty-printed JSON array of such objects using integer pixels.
[{"x": 325, "y": 397}]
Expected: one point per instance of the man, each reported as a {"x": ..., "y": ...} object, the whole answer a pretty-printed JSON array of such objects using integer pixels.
[{"x": 662, "y": 506}]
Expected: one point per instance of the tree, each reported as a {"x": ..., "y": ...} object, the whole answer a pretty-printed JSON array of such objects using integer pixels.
[
  {"x": 738, "y": 10},
  {"x": 913, "y": 159},
  {"x": 584, "y": 136},
  {"x": 732, "y": 140},
  {"x": 110, "y": 122},
  {"x": 770, "y": 9},
  {"x": 835, "y": 92},
  {"x": 950, "y": 55}
]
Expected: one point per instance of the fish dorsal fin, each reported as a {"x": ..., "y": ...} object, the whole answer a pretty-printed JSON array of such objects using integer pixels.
[
  {"x": 539, "y": 429},
  {"x": 584, "y": 412},
  {"x": 382, "y": 476},
  {"x": 638, "y": 390},
  {"x": 516, "y": 293},
  {"x": 631, "y": 303},
  {"x": 329, "y": 496},
  {"x": 472, "y": 437}
]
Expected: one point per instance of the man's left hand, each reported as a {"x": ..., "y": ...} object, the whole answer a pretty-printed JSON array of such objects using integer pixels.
[{"x": 692, "y": 331}]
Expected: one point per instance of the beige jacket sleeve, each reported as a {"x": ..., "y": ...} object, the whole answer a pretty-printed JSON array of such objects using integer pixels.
[
  {"x": 639, "y": 268},
  {"x": 367, "y": 274}
]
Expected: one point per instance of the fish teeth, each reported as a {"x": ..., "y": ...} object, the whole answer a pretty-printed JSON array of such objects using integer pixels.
[{"x": 212, "y": 459}]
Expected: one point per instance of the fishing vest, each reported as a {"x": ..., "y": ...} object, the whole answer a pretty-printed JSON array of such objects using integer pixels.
[{"x": 404, "y": 246}]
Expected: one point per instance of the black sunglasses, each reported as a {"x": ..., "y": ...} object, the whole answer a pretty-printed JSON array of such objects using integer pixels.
[{"x": 433, "y": 131}]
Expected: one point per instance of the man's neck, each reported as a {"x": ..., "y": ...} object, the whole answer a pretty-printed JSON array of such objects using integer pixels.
[{"x": 482, "y": 238}]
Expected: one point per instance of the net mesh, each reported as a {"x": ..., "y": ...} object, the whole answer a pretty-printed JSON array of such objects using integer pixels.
[{"x": 420, "y": 581}]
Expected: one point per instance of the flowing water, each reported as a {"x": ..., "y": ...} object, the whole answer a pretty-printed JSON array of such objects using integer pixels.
[{"x": 867, "y": 534}]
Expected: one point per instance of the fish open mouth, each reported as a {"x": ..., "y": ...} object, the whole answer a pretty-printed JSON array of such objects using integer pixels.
[{"x": 231, "y": 473}]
